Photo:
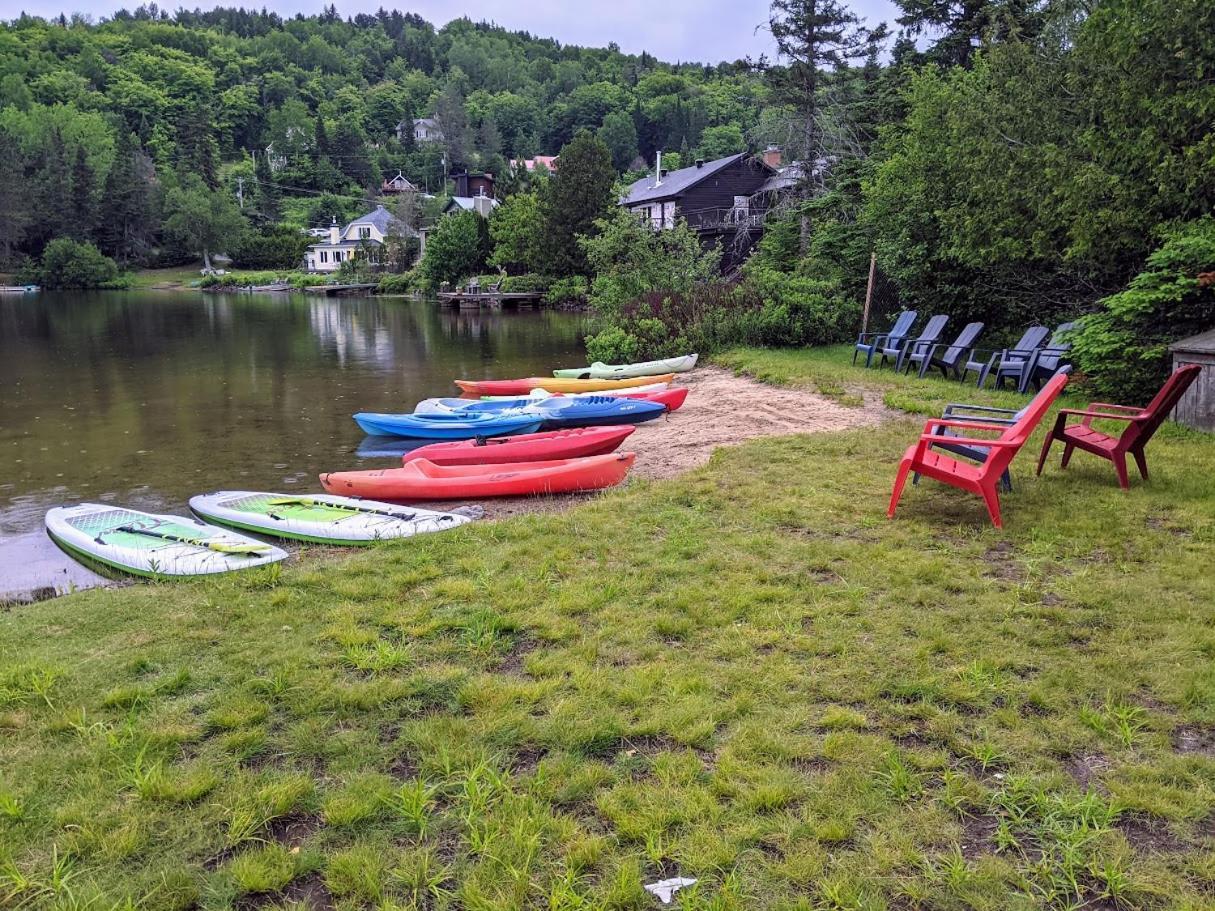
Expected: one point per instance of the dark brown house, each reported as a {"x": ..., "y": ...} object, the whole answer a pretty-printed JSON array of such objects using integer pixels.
[{"x": 713, "y": 197}]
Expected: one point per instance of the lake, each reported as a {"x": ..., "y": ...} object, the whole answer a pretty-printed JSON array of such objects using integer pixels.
[{"x": 146, "y": 398}]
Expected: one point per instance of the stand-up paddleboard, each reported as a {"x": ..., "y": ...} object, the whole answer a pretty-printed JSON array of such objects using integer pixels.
[
  {"x": 602, "y": 371},
  {"x": 146, "y": 544},
  {"x": 319, "y": 518}
]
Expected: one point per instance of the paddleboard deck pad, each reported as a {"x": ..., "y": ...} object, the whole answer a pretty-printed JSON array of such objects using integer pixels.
[
  {"x": 320, "y": 518},
  {"x": 147, "y": 544}
]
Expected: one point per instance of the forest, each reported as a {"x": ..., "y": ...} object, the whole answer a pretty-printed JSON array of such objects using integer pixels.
[{"x": 1004, "y": 160}]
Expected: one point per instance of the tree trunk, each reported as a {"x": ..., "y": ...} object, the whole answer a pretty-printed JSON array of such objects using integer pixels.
[{"x": 206, "y": 260}]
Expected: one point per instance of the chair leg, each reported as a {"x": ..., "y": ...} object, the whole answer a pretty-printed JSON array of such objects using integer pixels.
[
  {"x": 1046, "y": 445},
  {"x": 1067, "y": 455},
  {"x": 1006, "y": 481},
  {"x": 1119, "y": 460},
  {"x": 1141, "y": 461},
  {"x": 991, "y": 497},
  {"x": 900, "y": 480}
]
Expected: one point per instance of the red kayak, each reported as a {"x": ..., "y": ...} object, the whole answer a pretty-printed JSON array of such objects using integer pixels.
[
  {"x": 672, "y": 398},
  {"x": 423, "y": 480},
  {"x": 527, "y": 447}
]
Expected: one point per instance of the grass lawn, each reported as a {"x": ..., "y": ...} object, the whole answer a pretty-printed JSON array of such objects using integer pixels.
[{"x": 745, "y": 675}]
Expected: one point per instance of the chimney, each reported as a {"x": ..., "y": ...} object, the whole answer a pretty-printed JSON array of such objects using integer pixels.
[
  {"x": 700, "y": 162},
  {"x": 772, "y": 156},
  {"x": 335, "y": 233},
  {"x": 658, "y": 170}
]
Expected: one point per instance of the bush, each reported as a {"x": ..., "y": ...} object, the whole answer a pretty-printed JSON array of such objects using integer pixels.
[
  {"x": 455, "y": 249},
  {"x": 274, "y": 248},
  {"x": 69, "y": 264},
  {"x": 528, "y": 282},
  {"x": 571, "y": 290},
  {"x": 396, "y": 284},
  {"x": 1123, "y": 348}
]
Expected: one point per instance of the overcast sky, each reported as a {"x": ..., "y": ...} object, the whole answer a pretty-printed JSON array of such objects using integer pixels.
[{"x": 702, "y": 30}]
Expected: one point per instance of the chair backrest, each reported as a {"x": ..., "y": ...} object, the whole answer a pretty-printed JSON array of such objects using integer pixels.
[
  {"x": 964, "y": 342},
  {"x": 933, "y": 328},
  {"x": 999, "y": 457},
  {"x": 1033, "y": 338},
  {"x": 1057, "y": 348},
  {"x": 902, "y": 325},
  {"x": 1148, "y": 421}
]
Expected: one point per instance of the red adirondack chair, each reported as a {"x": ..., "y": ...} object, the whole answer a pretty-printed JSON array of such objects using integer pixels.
[
  {"x": 982, "y": 479},
  {"x": 1142, "y": 423}
]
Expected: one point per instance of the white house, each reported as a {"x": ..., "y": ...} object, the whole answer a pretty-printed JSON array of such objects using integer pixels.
[
  {"x": 363, "y": 236},
  {"x": 425, "y": 129}
]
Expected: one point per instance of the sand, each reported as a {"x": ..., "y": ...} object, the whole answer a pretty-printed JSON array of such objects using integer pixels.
[{"x": 721, "y": 410}]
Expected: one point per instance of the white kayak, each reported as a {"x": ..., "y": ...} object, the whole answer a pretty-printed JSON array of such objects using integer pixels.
[
  {"x": 632, "y": 392},
  {"x": 601, "y": 371},
  {"x": 146, "y": 544},
  {"x": 319, "y": 518}
]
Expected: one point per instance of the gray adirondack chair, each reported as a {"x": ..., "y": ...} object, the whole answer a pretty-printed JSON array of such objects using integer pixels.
[
  {"x": 946, "y": 358},
  {"x": 1047, "y": 360},
  {"x": 930, "y": 335},
  {"x": 1030, "y": 342},
  {"x": 986, "y": 414},
  {"x": 1014, "y": 363},
  {"x": 869, "y": 342}
]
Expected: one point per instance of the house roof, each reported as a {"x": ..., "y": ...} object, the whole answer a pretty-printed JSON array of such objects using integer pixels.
[
  {"x": 783, "y": 179},
  {"x": 676, "y": 183},
  {"x": 468, "y": 203},
  {"x": 429, "y": 122}
]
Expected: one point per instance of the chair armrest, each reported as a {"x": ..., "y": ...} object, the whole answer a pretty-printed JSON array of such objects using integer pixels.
[
  {"x": 1093, "y": 406},
  {"x": 1088, "y": 416},
  {"x": 965, "y": 425}
]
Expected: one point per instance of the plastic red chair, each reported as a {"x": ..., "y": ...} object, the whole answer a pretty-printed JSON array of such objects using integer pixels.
[
  {"x": 1142, "y": 424},
  {"x": 984, "y": 478}
]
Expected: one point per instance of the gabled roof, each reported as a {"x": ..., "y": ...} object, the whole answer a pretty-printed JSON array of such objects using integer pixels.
[
  {"x": 467, "y": 203},
  {"x": 678, "y": 182},
  {"x": 380, "y": 217}
]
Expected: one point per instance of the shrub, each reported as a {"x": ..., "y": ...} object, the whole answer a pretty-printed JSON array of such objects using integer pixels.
[
  {"x": 274, "y": 248},
  {"x": 396, "y": 284},
  {"x": 528, "y": 282},
  {"x": 1123, "y": 348},
  {"x": 570, "y": 290},
  {"x": 69, "y": 264},
  {"x": 455, "y": 249}
]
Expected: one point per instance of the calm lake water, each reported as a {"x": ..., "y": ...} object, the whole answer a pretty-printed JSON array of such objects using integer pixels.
[{"x": 146, "y": 398}]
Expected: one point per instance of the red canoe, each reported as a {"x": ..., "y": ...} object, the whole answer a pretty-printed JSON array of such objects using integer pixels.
[
  {"x": 527, "y": 447},
  {"x": 423, "y": 480}
]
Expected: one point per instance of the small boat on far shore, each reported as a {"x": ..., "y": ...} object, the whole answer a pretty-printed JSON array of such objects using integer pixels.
[{"x": 19, "y": 289}]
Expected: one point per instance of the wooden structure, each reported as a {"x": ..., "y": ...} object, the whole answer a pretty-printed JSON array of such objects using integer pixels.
[
  {"x": 1141, "y": 425},
  {"x": 333, "y": 290},
  {"x": 1197, "y": 407}
]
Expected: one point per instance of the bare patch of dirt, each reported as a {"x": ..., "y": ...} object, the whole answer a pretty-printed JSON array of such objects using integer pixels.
[
  {"x": 512, "y": 662},
  {"x": 978, "y": 835},
  {"x": 1148, "y": 835},
  {"x": 1087, "y": 769},
  {"x": 721, "y": 410},
  {"x": 526, "y": 759},
  {"x": 293, "y": 830},
  {"x": 1190, "y": 738},
  {"x": 1000, "y": 564},
  {"x": 309, "y": 891}
]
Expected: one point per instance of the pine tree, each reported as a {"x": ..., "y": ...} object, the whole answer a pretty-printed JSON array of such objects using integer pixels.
[
  {"x": 83, "y": 212},
  {"x": 124, "y": 231},
  {"x": 578, "y": 194},
  {"x": 15, "y": 214},
  {"x": 269, "y": 202}
]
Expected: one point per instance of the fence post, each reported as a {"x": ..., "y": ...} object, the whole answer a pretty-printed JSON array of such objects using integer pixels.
[{"x": 869, "y": 291}]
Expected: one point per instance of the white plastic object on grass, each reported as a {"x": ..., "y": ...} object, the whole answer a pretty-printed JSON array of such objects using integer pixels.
[{"x": 666, "y": 889}]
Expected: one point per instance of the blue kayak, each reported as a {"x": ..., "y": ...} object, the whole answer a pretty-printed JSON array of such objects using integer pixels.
[
  {"x": 447, "y": 426},
  {"x": 555, "y": 412}
]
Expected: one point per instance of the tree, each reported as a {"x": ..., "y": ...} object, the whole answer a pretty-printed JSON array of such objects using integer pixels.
[
  {"x": 128, "y": 220},
  {"x": 517, "y": 230},
  {"x": 578, "y": 194},
  {"x": 620, "y": 137},
  {"x": 69, "y": 264},
  {"x": 453, "y": 122},
  {"x": 269, "y": 199},
  {"x": 720, "y": 141},
  {"x": 83, "y": 209},
  {"x": 15, "y": 214},
  {"x": 454, "y": 249},
  {"x": 202, "y": 220},
  {"x": 963, "y": 26}
]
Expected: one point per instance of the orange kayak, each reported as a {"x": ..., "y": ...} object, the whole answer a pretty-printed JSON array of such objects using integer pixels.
[
  {"x": 554, "y": 384},
  {"x": 422, "y": 479}
]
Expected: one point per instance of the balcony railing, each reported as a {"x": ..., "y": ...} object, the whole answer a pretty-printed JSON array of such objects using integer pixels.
[{"x": 723, "y": 218}]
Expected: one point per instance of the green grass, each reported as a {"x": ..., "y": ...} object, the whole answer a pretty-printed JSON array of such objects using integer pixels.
[{"x": 745, "y": 675}]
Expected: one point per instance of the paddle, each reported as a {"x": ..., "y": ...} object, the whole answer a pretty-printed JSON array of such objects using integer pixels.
[
  {"x": 309, "y": 501},
  {"x": 218, "y": 546}
]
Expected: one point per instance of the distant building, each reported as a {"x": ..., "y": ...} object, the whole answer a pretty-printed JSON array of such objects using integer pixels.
[
  {"x": 548, "y": 162},
  {"x": 397, "y": 185},
  {"x": 474, "y": 193},
  {"x": 363, "y": 236},
  {"x": 425, "y": 129},
  {"x": 714, "y": 198}
]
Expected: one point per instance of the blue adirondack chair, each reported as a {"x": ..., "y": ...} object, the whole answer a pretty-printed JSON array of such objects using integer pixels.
[
  {"x": 988, "y": 415},
  {"x": 1046, "y": 360},
  {"x": 1013, "y": 363},
  {"x": 900, "y": 330},
  {"x": 946, "y": 358},
  {"x": 898, "y": 350},
  {"x": 1030, "y": 342}
]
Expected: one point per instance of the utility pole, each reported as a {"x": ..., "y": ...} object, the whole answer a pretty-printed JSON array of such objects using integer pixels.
[{"x": 240, "y": 192}]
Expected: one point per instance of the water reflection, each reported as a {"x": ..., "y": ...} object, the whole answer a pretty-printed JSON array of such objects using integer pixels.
[{"x": 149, "y": 397}]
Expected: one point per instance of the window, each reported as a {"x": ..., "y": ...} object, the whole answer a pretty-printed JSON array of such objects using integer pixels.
[
  {"x": 364, "y": 232},
  {"x": 324, "y": 257},
  {"x": 668, "y": 214}
]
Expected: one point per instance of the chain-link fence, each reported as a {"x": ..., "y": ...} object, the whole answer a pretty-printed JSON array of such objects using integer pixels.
[{"x": 881, "y": 299}]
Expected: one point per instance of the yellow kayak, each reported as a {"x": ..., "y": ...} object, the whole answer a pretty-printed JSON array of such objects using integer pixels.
[{"x": 554, "y": 384}]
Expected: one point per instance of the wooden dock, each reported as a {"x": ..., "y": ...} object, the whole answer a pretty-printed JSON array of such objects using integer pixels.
[{"x": 494, "y": 300}]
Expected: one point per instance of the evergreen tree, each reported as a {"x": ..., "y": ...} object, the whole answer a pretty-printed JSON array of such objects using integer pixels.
[
  {"x": 269, "y": 202},
  {"x": 15, "y": 215},
  {"x": 83, "y": 212},
  {"x": 127, "y": 221},
  {"x": 578, "y": 194}
]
